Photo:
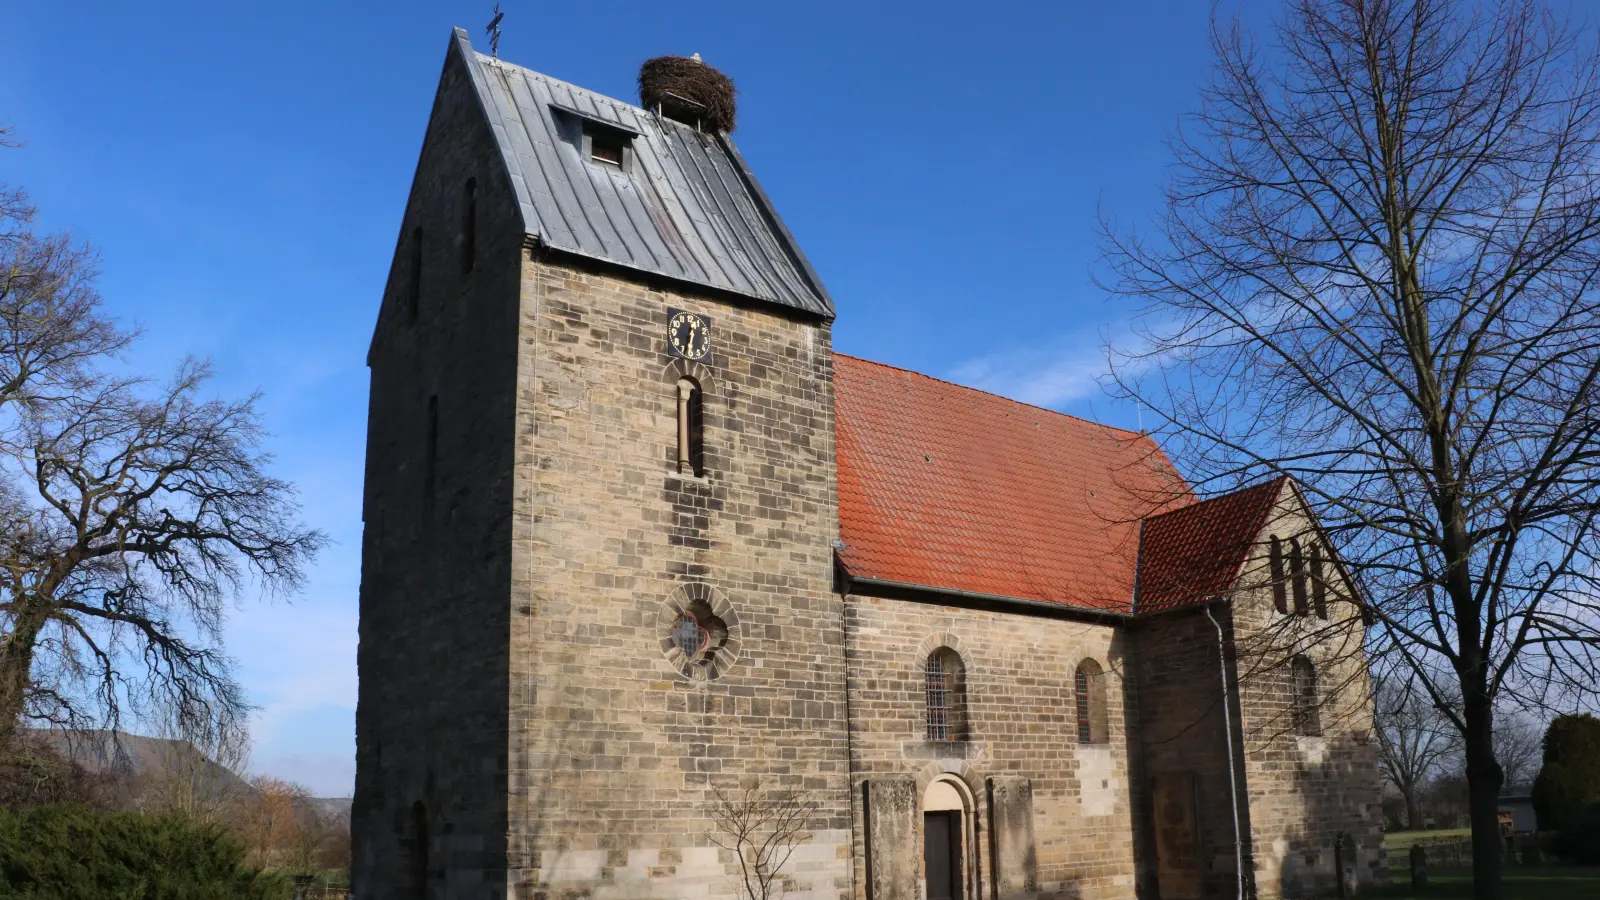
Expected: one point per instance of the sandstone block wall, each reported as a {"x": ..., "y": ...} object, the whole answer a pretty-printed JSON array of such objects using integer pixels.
[
  {"x": 1184, "y": 759},
  {"x": 435, "y": 574},
  {"x": 615, "y": 751},
  {"x": 1021, "y": 716},
  {"x": 1306, "y": 790}
]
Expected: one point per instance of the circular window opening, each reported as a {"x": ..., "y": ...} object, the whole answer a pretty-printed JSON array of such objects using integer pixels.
[
  {"x": 699, "y": 631},
  {"x": 689, "y": 636}
]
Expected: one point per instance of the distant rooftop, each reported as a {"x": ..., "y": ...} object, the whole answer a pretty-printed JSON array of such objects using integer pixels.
[{"x": 677, "y": 202}]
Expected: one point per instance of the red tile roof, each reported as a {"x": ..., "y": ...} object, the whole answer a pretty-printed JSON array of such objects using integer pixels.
[
  {"x": 948, "y": 487},
  {"x": 1195, "y": 553}
]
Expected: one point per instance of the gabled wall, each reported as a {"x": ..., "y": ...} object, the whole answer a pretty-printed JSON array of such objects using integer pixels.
[
  {"x": 1304, "y": 791},
  {"x": 435, "y": 576}
]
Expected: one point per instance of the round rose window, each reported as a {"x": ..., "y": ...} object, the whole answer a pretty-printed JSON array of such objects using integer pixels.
[{"x": 689, "y": 636}]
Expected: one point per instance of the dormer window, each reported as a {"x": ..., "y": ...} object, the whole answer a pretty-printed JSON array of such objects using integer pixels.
[
  {"x": 606, "y": 147},
  {"x": 596, "y": 138}
]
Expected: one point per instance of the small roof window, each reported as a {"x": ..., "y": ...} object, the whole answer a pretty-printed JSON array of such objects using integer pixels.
[{"x": 606, "y": 146}]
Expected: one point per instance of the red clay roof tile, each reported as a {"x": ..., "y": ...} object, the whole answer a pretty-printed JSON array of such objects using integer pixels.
[
  {"x": 1195, "y": 553},
  {"x": 949, "y": 487}
]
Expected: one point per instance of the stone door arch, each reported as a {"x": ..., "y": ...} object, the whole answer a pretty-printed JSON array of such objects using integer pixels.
[{"x": 950, "y": 844}]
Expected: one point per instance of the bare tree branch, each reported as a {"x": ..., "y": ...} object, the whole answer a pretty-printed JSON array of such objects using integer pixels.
[
  {"x": 1374, "y": 271},
  {"x": 761, "y": 826},
  {"x": 131, "y": 511}
]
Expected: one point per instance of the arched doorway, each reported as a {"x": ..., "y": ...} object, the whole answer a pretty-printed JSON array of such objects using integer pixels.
[{"x": 945, "y": 822}]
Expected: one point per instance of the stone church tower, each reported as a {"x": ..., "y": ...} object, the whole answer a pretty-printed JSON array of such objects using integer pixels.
[
  {"x": 635, "y": 537},
  {"x": 531, "y": 538}
]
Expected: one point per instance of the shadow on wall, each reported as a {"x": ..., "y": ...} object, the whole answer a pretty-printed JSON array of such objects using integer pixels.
[
  {"x": 1141, "y": 813},
  {"x": 1334, "y": 846}
]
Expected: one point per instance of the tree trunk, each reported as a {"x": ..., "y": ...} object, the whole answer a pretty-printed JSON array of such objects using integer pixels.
[
  {"x": 16, "y": 670},
  {"x": 1483, "y": 794},
  {"x": 1413, "y": 809}
]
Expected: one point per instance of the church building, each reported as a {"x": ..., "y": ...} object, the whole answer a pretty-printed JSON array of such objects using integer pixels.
[{"x": 644, "y": 559}]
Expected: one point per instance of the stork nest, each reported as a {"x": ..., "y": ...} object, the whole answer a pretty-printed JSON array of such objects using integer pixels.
[{"x": 689, "y": 91}]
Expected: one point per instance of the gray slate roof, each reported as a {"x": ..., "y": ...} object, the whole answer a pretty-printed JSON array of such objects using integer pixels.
[{"x": 686, "y": 206}]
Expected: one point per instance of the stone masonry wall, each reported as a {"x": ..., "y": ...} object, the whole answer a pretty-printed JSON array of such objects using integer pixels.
[
  {"x": 1178, "y": 671},
  {"x": 1021, "y": 722},
  {"x": 435, "y": 574},
  {"x": 1305, "y": 791},
  {"x": 616, "y": 751}
]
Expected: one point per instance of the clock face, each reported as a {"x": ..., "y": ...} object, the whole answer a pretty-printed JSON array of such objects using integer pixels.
[{"x": 688, "y": 335}]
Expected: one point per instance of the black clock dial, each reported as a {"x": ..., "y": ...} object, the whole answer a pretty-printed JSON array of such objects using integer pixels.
[{"x": 689, "y": 335}]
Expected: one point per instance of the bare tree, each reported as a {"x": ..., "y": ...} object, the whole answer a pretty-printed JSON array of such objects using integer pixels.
[
  {"x": 761, "y": 826},
  {"x": 271, "y": 820},
  {"x": 199, "y": 774},
  {"x": 1519, "y": 746},
  {"x": 1414, "y": 739},
  {"x": 1374, "y": 272},
  {"x": 132, "y": 510}
]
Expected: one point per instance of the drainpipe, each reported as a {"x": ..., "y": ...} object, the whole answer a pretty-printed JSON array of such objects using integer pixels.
[{"x": 1233, "y": 784}]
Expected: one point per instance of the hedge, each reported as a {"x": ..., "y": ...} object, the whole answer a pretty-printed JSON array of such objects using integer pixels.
[{"x": 74, "y": 853}]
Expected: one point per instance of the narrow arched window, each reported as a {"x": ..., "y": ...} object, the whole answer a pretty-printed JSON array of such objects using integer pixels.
[
  {"x": 945, "y": 694},
  {"x": 1297, "y": 577},
  {"x": 419, "y": 851},
  {"x": 430, "y": 460},
  {"x": 1319, "y": 584},
  {"x": 414, "y": 276},
  {"x": 469, "y": 226},
  {"x": 1280, "y": 591},
  {"x": 1089, "y": 692},
  {"x": 1303, "y": 677},
  {"x": 691, "y": 428}
]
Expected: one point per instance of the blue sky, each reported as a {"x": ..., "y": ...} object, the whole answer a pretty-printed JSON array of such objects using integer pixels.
[{"x": 242, "y": 168}]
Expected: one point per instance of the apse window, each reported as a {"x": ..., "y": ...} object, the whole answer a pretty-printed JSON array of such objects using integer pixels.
[{"x": 607, "y": 147}]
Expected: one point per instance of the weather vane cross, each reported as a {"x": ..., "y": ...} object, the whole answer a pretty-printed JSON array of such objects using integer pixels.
[{"x": 493, "y": 31}]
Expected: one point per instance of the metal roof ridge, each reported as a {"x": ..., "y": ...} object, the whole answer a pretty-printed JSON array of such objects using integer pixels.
[{"x": 461, "y": 43}]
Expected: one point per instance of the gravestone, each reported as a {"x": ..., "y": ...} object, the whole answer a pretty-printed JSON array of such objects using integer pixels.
[
  {"x": 894, "y": 855},
  {"x": 1011, "y": 830},
  {"x": 1419, "y": 867}
]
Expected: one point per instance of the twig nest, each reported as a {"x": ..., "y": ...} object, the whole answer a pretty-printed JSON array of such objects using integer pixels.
[{"x": 689, "y": 91}]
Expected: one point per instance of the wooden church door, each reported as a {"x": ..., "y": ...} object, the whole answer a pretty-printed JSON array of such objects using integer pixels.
[{"x": 941, "y": 854}]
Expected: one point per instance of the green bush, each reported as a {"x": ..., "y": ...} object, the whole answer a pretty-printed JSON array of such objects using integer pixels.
[
  {"x": 1570, "y": 778},
  {"x": 73, "y": 853},
  {"x": 1580, "y": 840}
]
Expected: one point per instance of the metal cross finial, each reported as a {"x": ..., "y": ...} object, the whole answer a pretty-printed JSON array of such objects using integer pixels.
[{"x": 493, "y": 31}]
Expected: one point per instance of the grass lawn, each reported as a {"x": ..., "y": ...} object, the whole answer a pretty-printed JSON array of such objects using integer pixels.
[
  {"x": 1401, "y": 841},
  {"x": 1521, "y": 883},
  {"x": 1452, "y": 882}
]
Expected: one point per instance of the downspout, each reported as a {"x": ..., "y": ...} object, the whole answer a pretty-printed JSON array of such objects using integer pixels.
[
  {"x": 1227, "y": 725},
  {"x": 843, "y": 577}
]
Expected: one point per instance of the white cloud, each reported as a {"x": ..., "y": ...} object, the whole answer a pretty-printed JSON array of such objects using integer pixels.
[{"x": 1063, "y": 370}]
